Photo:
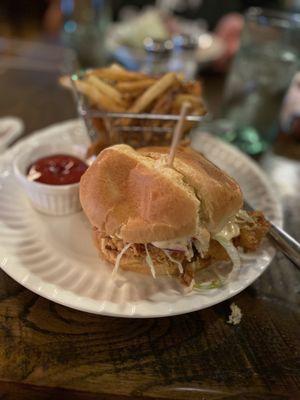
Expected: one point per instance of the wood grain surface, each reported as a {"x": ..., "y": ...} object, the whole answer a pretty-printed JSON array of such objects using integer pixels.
[{"x": 48, "y": 351}]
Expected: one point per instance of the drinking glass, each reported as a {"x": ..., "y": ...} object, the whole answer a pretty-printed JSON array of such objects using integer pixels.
[
  {"x": 260, "y": 75},
  {"x": 84, "y": 29}
]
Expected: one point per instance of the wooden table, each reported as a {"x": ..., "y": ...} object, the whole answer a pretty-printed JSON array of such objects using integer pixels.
[{"x": 48, "y": 351}]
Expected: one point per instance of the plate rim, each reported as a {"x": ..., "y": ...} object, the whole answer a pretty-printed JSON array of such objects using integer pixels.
[{"x": 35, "y": 284}]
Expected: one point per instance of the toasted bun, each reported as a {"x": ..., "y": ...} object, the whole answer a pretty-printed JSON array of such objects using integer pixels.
[
  {"x": 123, "y": 194},
  {"x": 134, "y": 196},
  {"x": 220, "y": 195}
]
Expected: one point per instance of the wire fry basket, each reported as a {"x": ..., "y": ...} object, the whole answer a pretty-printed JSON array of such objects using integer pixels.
[{"x": 135, "y": 129}]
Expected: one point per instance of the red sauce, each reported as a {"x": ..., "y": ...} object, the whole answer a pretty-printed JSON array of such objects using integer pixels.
[{"x": 57, "y": 169}]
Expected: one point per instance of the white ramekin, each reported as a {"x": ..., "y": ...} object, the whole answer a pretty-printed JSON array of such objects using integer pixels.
[{"x": 49, "y": 199}]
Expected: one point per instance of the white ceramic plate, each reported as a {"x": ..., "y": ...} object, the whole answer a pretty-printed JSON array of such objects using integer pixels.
[
  {"x": 10, "y": 129},
  {"x": 54, "y": 256}
]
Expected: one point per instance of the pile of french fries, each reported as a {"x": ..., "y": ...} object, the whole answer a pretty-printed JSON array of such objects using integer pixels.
[{"x": 115, "y": 89}]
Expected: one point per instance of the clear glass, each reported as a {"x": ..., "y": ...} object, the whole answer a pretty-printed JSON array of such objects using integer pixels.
[
  {"x": 267, "y": 60},
  {"x": 84, "y": 29},
  {"x": 178, "y": 60}
]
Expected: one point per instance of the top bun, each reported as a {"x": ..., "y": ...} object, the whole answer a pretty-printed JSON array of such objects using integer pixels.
[{"x": 133, "y": 194}]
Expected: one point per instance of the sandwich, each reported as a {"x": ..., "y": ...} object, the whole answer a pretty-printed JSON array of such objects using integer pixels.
[{"x": 154, "y": 219}]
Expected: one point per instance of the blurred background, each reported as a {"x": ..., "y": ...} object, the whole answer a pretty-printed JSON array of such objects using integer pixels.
[
  {"x": 45, "y": 18},
  {"x": 246, "y": 54}
]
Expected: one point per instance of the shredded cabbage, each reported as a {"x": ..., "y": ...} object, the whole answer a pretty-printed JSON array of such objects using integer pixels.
[
  {"x": 224, "y": 237},
  {"x": 229, "y": 231},
  {"x": 180, "y": 268},
  {"x": 119, "y": 256},
  {"x": 188, "y": 289},
  {"x": 189, "y": 253},
  {"x": 214, "y": 284},
  {"x": 203, "y": 237},
  {"x": 244, "y": 216},
  {"x": 232, "y": 252},
  {"x": 197, "y": 244},
  {"x": 179, "y": 244},
  {"x": 210, "y": 278},
  {"x": 150, "y": 262}
]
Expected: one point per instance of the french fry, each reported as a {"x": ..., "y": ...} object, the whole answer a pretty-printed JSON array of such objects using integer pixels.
[
  {"x": 98, "y": 124},
  {"x": 96, "y": 147},
  {"x": 87, "y": 90},
  {"x": 135, "y": 86},
  {"x": 153, "y": 92},
  {"x": 199, "y": 110},
  {"x": 142, "y": 102},
  {"x": 106, "y": 89},
  {"x": 194, "y": 100},
  {"x": 116, "y": 73},
  {"x": 163, "y": 105},
  {"x": 180, "y": 76},
  {"x": 193, "y": 87},
  {"x": 65, "y": 81},
  {"x": 97, "y": 98},
  {"x": 130, "y": 98},
  {"x": 169, "y": 124}
]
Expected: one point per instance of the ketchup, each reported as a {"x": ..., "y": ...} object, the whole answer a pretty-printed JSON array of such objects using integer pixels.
[{"x": 57, "y": 169}]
